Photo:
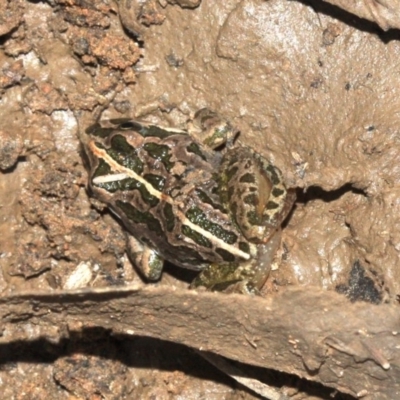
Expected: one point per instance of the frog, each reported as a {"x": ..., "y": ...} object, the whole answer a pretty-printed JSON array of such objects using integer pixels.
[{"x": 193, "y": 197}]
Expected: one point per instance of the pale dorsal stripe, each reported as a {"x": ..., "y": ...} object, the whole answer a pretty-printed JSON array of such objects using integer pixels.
[{"x": 124, "y": 173}]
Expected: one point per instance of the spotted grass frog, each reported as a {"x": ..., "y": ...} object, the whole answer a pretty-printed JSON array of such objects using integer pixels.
[{"x": 181, "y": 200}]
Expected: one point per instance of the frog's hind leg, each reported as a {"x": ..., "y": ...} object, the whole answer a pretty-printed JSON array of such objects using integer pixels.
[
  {"x": 226, "y": 278},
  {"x": 147, "y": 260},
  {"x": 254, "y": 192},
  {"x": 246, "y": 277}
]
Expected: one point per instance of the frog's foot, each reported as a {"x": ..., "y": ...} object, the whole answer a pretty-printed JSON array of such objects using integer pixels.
[
  {"x": 261, "y": 266},
  {"x": 228, "y": 278},
  {"x": 245, "y": 278},
  {"x": 149, "y": 263}
]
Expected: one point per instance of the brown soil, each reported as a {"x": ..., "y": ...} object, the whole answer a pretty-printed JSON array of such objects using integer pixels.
[{"x": 314, "y": 89}]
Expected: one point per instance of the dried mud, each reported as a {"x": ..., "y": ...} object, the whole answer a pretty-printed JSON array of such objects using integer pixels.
[{"x": 313, "y": 88}]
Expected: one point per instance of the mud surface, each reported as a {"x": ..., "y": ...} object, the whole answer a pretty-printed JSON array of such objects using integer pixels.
[{"x": 314, "y": 89}]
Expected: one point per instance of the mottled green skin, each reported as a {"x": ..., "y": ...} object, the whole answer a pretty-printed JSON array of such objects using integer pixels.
[{"x": 185, "y": 203}]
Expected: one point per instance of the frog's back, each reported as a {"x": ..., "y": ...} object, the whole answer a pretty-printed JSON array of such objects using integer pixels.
[{"x": 163, "y": 185}]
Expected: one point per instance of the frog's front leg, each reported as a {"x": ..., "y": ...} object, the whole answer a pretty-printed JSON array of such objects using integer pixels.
[
  {"x": 211, "y": 129},
  {"x": 247, "y": 277},
  {"x": 147, "y": 260}
]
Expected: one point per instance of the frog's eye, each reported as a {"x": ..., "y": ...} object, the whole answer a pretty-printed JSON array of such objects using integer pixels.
[
  {"x": 130, "y": 125},
  {"x": 125, "y": 124}
]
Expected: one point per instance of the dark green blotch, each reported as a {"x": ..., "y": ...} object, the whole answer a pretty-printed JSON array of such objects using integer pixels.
[
  {"x": 251, "y": 199},
  {"x": 157, "y": 181},
  {"x": 277, "y": 192},
  {"x": 195, "y": 148},
  {"x": 196, "y": 237},
  {"x": 160, "y": 152},
  {"x": 247, "y": 178},
  {"x": 146, "y": 196},
  {"x": 102, "y": 169},
  {"x": 254, "y": 218},
  {"x": 271, "y": 205},
  {"x": 169, "y": 217},
  {"x": 198, "y": 217},
  {"x": 273, "y": 174},
  {"x": 140, "y": 217},
  {"x": 244, "y": 246},
  {"x": 124, "y": 154},
  {"x": 226, "y": 256}
]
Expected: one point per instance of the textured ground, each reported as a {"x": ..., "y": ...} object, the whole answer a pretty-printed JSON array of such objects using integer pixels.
[{"x": 313, "y": 88}]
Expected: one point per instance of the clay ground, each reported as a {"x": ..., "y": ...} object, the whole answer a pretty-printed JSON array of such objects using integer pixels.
[{"x": 312, "y": 87}]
